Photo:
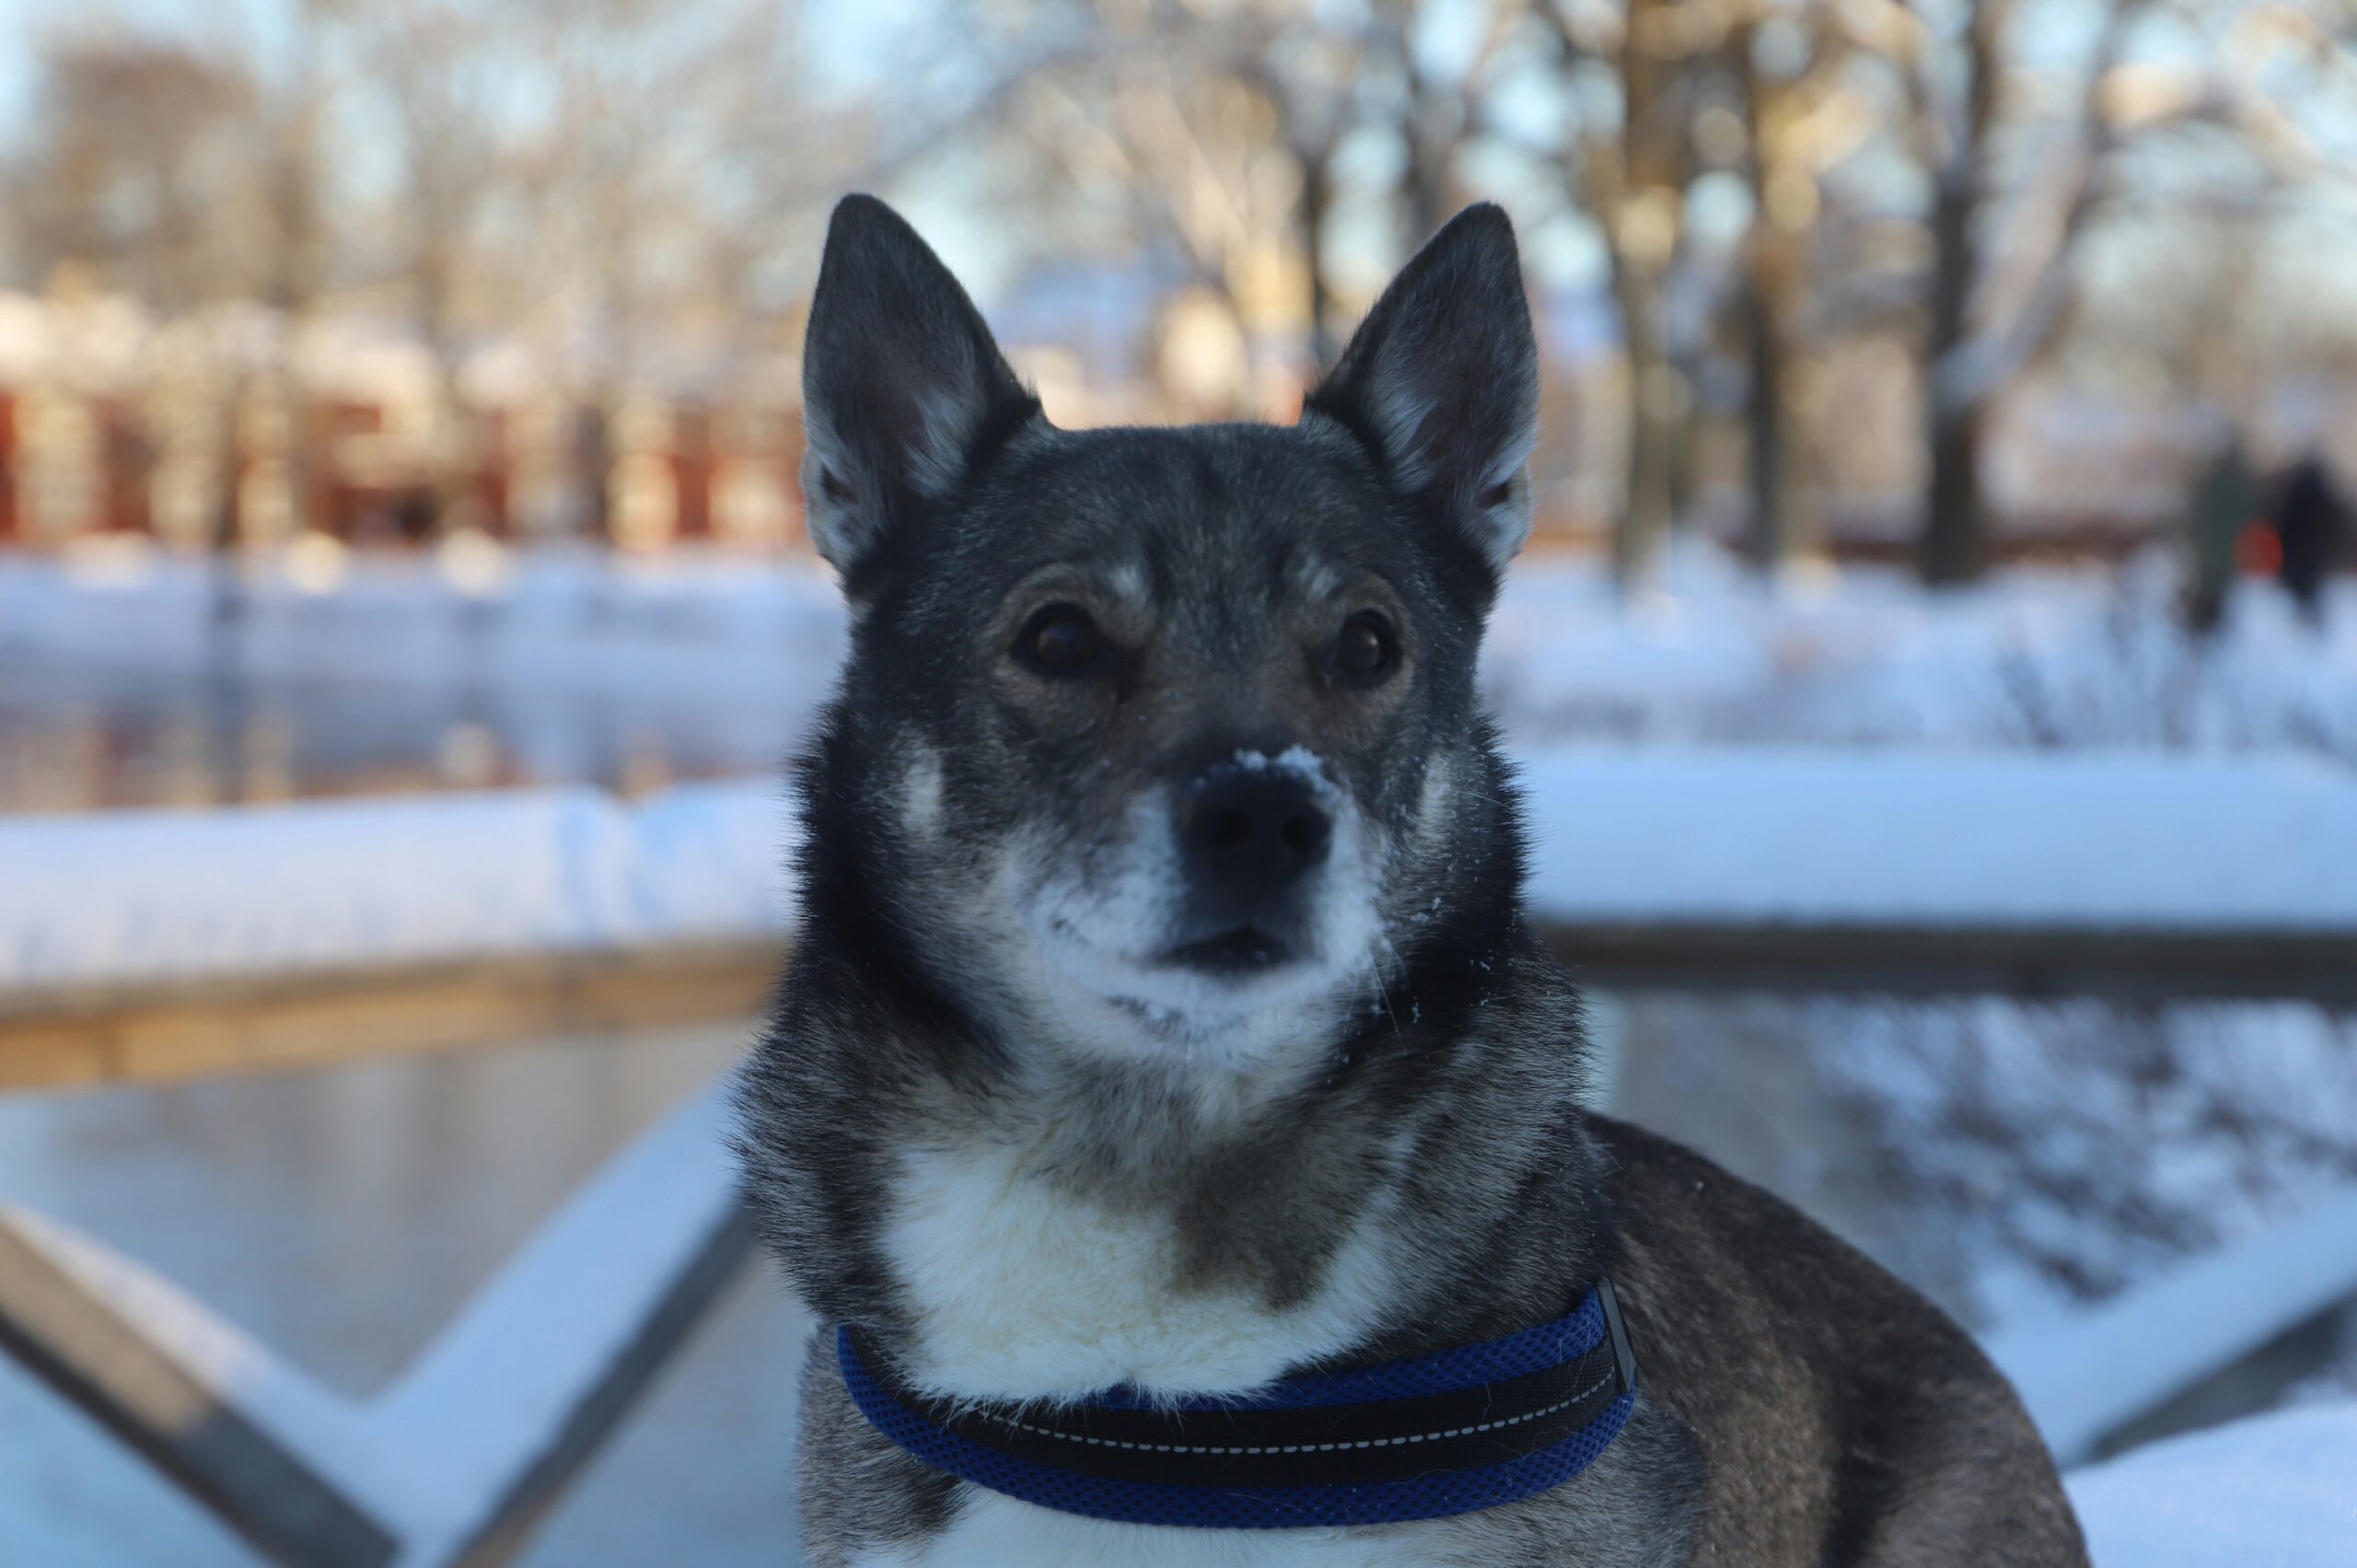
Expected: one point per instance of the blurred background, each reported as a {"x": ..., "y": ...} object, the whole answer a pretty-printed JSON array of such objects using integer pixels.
[{"x": 400, "y": 404}]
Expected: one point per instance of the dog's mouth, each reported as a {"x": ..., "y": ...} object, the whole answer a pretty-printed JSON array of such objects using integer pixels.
[{"x": 1246, "y": 949}]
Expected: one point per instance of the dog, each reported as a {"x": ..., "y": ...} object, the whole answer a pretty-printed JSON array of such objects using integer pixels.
[{"x": 1165, "y": 1019}]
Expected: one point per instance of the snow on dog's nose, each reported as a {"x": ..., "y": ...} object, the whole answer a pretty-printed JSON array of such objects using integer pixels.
[
  {"x": 1252, "y": 831},
  {"x": 1253, "y": 834}
]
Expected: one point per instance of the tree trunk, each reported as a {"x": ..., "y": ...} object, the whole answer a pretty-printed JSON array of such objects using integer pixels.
[
  {"x": 1954, "y": 545},
  {"x": 1316, "y": 185},
  {"x": 1767, "y": 526},
  {"x": 1775, "y": 294},
  {"x": 1653, "y": 427},
  {"x": 1638, "y": 197},
  {"x": 594, "y": 467},
  {"x": 454, "y": 447},
  {"x": 1780, "y": 523}
]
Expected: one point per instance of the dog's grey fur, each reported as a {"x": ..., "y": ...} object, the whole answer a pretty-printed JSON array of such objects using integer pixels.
[{"x": 1408, "y": 1088}]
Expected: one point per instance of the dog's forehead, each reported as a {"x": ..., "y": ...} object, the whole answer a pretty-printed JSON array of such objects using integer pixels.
[{"x": 1161, "y": 517}]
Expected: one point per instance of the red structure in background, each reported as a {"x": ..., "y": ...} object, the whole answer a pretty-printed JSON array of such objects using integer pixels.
[
  {"x": 7, "y": 467},
  {"x": 358, "y": 478}
]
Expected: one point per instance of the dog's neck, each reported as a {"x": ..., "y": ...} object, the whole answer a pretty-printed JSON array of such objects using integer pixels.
[
  {"x": 1026, "y": 1229},
  {"x": 1008, "y": 1223}
]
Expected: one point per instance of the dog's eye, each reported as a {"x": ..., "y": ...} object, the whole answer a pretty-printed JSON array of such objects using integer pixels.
[
  {"x": 1061, "y": 641},
  {"x": 1363, "y": 650}
]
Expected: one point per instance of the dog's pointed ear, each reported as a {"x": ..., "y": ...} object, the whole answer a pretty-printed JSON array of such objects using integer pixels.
[
  {"x": 904, "y": 389},
  {"x": 1441, "y": 381}
]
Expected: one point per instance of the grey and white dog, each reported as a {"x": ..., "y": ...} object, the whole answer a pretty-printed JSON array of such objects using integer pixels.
[{"x": 1165, "y": 1012}]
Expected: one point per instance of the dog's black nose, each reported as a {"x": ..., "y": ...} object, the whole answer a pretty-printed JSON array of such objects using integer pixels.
[{"x": 1253, "y": 831}]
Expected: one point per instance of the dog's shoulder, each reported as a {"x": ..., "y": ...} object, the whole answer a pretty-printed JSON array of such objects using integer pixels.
[
  {"x": 1702, "y": 1247},
  {"x": 1844, "y": 1417}
]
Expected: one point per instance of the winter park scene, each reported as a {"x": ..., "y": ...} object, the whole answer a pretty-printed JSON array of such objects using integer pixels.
[{"x": 1930, "y": 681}]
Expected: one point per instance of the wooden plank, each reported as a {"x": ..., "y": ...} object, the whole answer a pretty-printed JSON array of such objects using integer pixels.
[
  {"x": 2094, "y": 1371},
  {"x": 686, "y": 1299},
  {"x": 1815, "y": 959},
  {"x": 522, "y": 1388},
  {"x": 186, "y": 1029},
  {"x": 453, "y": 1465},
  {"x": 98, "y": 1353}
]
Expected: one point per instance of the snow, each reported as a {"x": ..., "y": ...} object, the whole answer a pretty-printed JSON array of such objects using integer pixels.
[
  {"x": 551, "y": 619},
  {"x": 2034, "y": 658},
  {"x": 2037, "y": 659},
  {"x": 2069, "y": 840},
  {"x": 2092, "y": 1372},
  {"x": 2081, "y": 840},
  {"x": 2280, "y": 1490},
  {"x": 161, "y": 895}
]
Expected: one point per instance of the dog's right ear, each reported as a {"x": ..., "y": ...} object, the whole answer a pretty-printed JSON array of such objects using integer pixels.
[{"x": 904, "y": 389}]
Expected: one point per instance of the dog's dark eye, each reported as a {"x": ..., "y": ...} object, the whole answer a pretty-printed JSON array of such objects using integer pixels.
[
  {"x": 1363, "y": 650},
  {"x": 1496, "y": 495},
  {"x": 1061, "y": 641}
]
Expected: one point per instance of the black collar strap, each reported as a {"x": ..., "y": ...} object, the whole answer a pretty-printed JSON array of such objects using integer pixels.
[{"x": 1449, "y": 1433}]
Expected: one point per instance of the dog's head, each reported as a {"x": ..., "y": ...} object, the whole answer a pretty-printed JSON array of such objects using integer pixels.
[{"x": 1164, "y": 741}]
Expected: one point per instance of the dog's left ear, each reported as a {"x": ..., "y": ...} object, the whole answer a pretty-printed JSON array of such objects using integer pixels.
[
  {"x": 904, "y": 389},
  {"x": 1441, "y": 382}
]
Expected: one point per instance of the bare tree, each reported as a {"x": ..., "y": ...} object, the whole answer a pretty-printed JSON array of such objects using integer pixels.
[
  {"x": 440, "y": 69},
  {"x": 1632, "y": 171},
  {"x": 131, "y": 150}
]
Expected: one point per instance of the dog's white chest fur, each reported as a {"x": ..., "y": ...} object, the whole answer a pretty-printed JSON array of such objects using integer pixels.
[
  {"x": 991, "y": 1531},
  {"x": 1025, "y": 1291}
]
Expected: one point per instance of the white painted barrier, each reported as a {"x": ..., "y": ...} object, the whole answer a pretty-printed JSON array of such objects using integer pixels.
[{"x": 2092, "y": 1372}]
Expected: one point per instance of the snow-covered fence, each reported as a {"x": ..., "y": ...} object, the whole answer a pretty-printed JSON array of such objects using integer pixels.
[
  {"x": 132, "y": 898},
  {"x": 2003, "y": 871},
  {"x": 450, "y": 1466},
  {"x": 1785, "y": 869},
  {"x": 2090, "y": 1374},
  {"x": 1798, "y": 869}
]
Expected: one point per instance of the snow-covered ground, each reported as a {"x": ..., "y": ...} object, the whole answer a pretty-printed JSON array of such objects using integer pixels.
[
  {"x": 2037, "y": 659},
  {"x": 553, "y": 621},
  {"x": 2276, "y": 1492}
]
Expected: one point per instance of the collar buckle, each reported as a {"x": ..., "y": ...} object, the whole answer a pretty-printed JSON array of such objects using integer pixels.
[{"x": 1624, "y": 1357}]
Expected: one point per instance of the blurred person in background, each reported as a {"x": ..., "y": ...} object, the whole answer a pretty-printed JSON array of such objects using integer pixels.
[
  {"x": 2223, "y": 502},
  {"x": 2311, "y": 527}
]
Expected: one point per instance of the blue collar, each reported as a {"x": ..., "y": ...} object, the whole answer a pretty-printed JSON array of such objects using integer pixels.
[{"x": 1449, "y": 1433}]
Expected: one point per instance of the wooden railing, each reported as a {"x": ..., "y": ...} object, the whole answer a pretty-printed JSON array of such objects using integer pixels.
[{"x": 1641, "y": 881}]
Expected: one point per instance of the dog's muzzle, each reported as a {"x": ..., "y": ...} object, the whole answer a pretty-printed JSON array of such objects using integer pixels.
[{"x": 1250, "y": 835}]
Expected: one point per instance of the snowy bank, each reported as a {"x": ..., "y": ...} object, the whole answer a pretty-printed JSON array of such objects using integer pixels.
[
  {"x": 720, "y": 629},
  {"x": 2064, "y": 843},
  {"x": 2279, "y": 1491},
  {"x": 141, "y": 896},
  {"x": 2083, "y": 841},
  {"x": 2032, "y": 657}
]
